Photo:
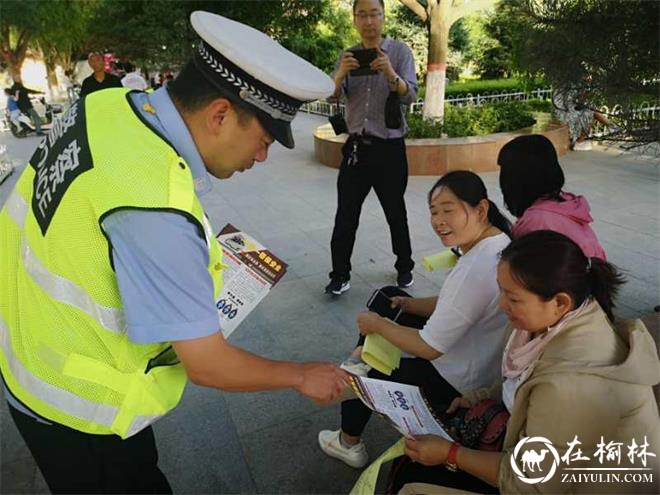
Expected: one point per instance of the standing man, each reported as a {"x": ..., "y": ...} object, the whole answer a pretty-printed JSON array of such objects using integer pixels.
[
  {"x": 99, "y": 79},
  {"x": 109, "y": 268},
  {"x": 374, "y": 155},
  {"x": 21, "y": 95}
]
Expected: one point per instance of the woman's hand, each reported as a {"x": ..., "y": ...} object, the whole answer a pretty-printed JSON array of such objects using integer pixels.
[
  {"x": 401, "y": 302},
  {"x": 458, "y": 402},
  {"x": 427, "y": 449},
  {"x": 369, "y": 322}
]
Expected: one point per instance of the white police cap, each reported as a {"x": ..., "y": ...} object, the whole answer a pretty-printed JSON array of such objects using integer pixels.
[{"x": 257, "y": 70}]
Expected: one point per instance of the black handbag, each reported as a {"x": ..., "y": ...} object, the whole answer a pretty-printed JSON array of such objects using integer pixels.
[
  {"x": 337, "y": 121},
  {"x": 393, "y": 117}
]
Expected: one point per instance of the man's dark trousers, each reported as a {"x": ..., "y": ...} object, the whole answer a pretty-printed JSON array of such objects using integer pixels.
[
  {"x": 75, "y": 462},
  {"x": 381, "y": 164}
]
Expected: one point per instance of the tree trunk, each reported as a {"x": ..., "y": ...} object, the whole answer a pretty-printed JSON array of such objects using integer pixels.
[{"x": 438, "y": 25}]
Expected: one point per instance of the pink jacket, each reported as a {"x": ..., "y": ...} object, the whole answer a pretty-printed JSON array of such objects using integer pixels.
[{"x": 570, "y": 217}]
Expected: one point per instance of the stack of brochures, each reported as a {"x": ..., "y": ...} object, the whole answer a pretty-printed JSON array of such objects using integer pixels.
[{"x": 380, "y": 354}]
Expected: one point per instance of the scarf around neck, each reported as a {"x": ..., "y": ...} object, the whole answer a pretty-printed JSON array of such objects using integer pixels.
[{"x": 523, "y": 350}]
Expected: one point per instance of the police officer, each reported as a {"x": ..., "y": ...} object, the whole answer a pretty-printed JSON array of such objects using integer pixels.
[{"x": 109, "y": 268}]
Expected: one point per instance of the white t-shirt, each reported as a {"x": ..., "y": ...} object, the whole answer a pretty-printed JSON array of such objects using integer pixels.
[
  {"x": 134, "y": 80},
  {"x": 467, "y": 325}
]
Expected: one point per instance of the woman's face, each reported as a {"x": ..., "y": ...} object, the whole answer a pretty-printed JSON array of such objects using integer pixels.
[
  {"x": 527, "y": 310},
  {"x": 456, "y": 222}
]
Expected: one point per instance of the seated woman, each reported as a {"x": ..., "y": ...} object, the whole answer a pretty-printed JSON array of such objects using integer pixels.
[
  {"x": 571, "y": 372},
  {"x": 461, "y": 343},
  {"x": 531, "y": 181}
]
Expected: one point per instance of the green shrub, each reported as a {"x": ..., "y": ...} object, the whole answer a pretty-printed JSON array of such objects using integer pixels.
[
  {"x": 536, "y": 105},
  {"x": 473, "y": 121}
]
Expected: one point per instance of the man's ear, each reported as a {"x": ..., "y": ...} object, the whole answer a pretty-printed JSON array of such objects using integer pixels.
[{"x": 215, "y": 114}]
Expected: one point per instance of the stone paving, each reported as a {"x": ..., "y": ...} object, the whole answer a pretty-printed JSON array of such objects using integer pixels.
[{"x": 218, "y": 442}]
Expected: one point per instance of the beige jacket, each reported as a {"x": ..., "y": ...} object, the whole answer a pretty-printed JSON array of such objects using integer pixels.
[{"x": 593, "y": 381}]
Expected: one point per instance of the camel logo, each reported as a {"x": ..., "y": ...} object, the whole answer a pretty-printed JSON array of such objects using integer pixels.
[{"x": 531, "y": 460}]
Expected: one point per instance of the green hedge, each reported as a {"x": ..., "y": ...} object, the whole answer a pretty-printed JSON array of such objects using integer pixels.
[{"x": 477, "y": 121}]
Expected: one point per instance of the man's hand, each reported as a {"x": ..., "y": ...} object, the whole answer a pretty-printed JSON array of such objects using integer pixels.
[
  {"x": 347, "y": 64},
  {"x": 369, "y": 322},
  {"x": 382, "y": 64},
  {"x": 322, "y": 382},
  {"x": 427, "y": 449}
]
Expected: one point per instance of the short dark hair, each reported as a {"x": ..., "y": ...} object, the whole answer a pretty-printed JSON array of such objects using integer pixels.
[
  {"x": 468, "y": 187},
  {"x": 382, "y": 4},
  {"x": 547, "y": 263},
  {"x": 192, "y": 91},
  {"x": 529, "y": 170}
]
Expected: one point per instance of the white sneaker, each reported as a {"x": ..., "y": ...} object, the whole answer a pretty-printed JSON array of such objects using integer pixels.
[
  {"x": 355, "y": 366},
  {"x": 355, "y": 456},
  {"x": 582, "y": 146}
]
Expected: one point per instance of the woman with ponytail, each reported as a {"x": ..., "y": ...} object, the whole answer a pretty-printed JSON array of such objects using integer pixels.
[
  {"x": 457, "y": 336},
  {"x": 571, "y": 374}
]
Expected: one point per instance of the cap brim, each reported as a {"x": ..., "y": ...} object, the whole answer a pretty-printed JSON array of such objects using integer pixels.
[{"x": 280, "y": 131}]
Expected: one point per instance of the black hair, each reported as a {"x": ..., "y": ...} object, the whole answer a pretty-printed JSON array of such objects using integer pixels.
[
  {"x": 382, "y": 4},
  {"x": 7, "y": 91},
  {"x": 192, "y": 91},
  {"x": 128, "y": 67},
  {"x": 529, "y": 170},
  {"x": 547, "y": 263},
  {"x": 469, "y": 187}
]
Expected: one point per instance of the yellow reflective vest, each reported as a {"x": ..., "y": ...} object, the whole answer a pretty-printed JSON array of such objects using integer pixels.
[{"x": 64, "y": 349}]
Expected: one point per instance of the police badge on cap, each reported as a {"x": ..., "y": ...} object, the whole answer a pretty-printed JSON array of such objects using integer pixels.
[{"x": 257, "y": 70}]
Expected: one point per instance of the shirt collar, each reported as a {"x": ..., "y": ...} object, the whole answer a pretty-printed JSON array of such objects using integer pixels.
[
  {"x": 177, "y": 133},
  {"x": 385, "y": 45}
]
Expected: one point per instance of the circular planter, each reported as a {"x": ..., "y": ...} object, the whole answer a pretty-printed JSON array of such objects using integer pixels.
[{"x": 439, "y": 156}]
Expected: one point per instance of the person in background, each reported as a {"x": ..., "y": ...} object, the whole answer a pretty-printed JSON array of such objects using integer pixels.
[
  {"x": 374, "y": 155},
  {"x": 572, "y": 373},
  {"x": 99, "y": 79},
  {"x": 532, "y": 180},
  {"x": 456, "y": 338},
  {"x": 15, "y": 115},
  {"x": 21, "y": 95},
  {"x": 133, "y": 78}
]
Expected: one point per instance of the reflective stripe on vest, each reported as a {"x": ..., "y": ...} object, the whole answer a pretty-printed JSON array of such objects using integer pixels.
[
  {"x": 57, "y": 287},
  {"x": 71, "y": 404},
  {"x": 63, "y": 400}
]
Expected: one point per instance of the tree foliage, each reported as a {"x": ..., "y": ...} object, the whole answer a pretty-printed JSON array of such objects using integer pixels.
[{"x": 608, "y": 48}]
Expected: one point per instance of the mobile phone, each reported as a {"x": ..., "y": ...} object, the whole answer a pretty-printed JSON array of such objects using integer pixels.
[
  {"x": 381, "y": 304},
  {"x": 364, "y": 56}
]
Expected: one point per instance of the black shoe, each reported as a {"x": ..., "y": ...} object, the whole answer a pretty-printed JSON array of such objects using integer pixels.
[
  {"x": 337, "y": 287},
  {"x": 404, "y": 279}
]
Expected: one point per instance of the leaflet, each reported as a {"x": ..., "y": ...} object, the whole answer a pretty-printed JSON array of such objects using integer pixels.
[
  {"x": 403, "y": 405},
  {"x": 250, "y": 272}
]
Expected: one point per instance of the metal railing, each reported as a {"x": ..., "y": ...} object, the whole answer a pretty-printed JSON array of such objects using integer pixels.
[
  {"x": 322, "y": 107},
  {"x": 645, "y": 112}
]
